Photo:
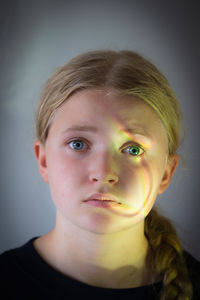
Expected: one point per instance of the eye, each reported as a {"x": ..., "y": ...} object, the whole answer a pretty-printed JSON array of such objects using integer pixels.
[
  {"x": 134, "y": 150},
  {"x": 77, "y": 144}
]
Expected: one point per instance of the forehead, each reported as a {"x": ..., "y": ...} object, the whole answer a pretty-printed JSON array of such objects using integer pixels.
[
  {"x": 105, "y": 102},
  {"x": 95, "y": 106}
]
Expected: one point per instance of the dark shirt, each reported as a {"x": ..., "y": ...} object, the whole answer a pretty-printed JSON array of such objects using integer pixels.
[{"x": 25, "y": 275}]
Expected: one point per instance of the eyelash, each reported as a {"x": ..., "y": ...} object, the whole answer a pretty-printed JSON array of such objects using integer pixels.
[{"x": 130, "y": 145}]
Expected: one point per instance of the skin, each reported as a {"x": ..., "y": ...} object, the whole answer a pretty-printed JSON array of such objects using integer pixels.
[{"x": 100, "y": 246}]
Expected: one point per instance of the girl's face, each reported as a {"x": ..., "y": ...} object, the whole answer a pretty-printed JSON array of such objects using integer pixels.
[{"x": 103, "y": 143}]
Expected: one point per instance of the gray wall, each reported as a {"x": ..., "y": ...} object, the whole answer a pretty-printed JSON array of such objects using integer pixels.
[{"x": 38, "y": 36}]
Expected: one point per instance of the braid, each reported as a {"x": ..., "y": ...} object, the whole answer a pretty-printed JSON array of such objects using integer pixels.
[{"x": 167, "y": 260}]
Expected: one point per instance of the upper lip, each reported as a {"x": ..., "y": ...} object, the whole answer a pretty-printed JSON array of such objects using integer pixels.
[{"x": 102, "y": 197}]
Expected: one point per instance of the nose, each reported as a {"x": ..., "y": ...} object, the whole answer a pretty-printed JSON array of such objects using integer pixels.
[{"x": 104, "y": 170}]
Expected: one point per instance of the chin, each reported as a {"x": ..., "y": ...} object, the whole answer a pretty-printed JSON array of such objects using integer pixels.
[{"x": 109, "y": 225}]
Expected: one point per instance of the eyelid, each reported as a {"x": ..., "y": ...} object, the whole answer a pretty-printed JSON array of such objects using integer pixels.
[{"x": 133, "y": 143}]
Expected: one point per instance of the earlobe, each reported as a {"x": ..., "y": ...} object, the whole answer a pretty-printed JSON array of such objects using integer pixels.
[
  {"x": 168, "y": 174},
  {"x": 40, "y": 155}
]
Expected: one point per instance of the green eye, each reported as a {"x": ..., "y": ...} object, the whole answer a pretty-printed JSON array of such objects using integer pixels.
[{"x": 135, "y": 150}]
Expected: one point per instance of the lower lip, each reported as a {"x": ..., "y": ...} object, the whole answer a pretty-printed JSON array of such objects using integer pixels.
[{"x": 102, "y": 203}]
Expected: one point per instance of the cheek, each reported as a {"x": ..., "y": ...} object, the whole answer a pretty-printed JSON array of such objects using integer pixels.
[
  {"x": 152, "y": 174},
  {"x": 65, "y": 177},
  {"x": 62, "y": 169},
  {"x": 142, "y": 189}
]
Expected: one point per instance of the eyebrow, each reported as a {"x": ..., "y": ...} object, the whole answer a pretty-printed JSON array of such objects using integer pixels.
[
  {"x": 82, "y": 128},
  {"x": 138, "y": 131}
]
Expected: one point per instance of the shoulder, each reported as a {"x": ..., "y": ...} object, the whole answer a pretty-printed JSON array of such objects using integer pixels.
[
  {"x": 13, "y": 260},
  {"x": 17, "y": 278},
  {"x": 10, "y": 274},
  {"x": 193, "y": 266},
  {"x": 7, "y": 260}
]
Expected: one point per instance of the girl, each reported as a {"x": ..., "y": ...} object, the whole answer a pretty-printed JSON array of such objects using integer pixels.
[{"x": 108, "y": 129}]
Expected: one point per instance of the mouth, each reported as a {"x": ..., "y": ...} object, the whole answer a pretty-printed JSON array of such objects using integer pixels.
[
  {"x": 102, "y": 203},
  {"x": 103, "y": 197},
  {"x": 110, "y": 202},
  {"x": 103, "y": 200}
]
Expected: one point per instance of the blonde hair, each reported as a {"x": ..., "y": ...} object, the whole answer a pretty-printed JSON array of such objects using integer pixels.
[{"x": 127, "y": 72}]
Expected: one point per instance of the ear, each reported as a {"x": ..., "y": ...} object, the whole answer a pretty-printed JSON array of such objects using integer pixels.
[
  {"x": 40, "y": 154},
  {"x": 168, "y": 174}
]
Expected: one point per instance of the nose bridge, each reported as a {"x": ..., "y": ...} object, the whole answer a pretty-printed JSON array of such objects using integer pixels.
[
  {"x": 107, "y": 159},
  {"x": 105, "y": 168}
]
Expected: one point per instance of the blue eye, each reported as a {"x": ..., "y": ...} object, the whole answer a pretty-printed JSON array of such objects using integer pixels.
[
  {"x": 135, "y": 150},
  {"x": 77, "y": 144}
]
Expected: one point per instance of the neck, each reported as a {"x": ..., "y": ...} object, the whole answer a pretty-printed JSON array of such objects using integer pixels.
[{"x": 115, "y": 260}]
